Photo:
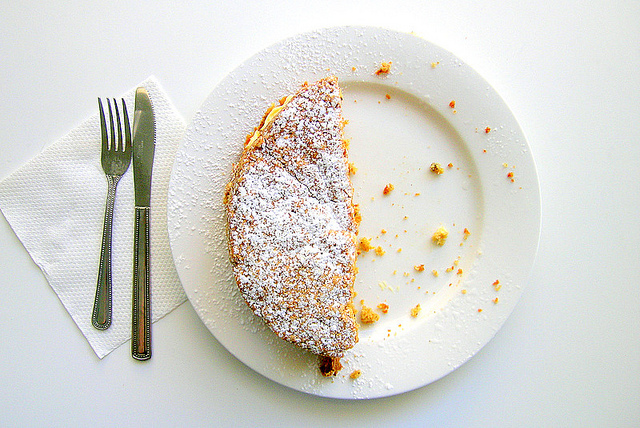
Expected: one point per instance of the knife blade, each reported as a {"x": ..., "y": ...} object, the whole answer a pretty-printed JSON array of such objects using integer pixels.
[{"x": 144, "y": 143}]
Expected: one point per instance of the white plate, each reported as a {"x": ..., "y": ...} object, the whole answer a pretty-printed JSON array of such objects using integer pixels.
[{"x": 393, "y": 140}]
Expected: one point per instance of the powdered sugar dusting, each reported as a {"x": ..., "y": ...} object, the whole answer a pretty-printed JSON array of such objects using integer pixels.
[{"x": 291, "y": 223}]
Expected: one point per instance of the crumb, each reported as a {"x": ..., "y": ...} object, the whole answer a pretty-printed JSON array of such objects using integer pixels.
[
  {"x": 352, "y": 168},
  {"x": 419, "y": 268},
  {"x": 353, "y": 69},
  {"x": 356, "y": 373},
  {"x": 385, "y": 67},
  {"x": 452, "y": 104},
  {"x": 383, "y": 231},
  {"x": 365, "y": 244},
  {"x": 347, "y": 143},
  {"x": 383, "y": 307},
  {"x": 505, "y": 165},
  {"x": 417, "y": 194},
  {"x": 450, "y": 165},
  {"x": 405, "y": 274},
  {"x": 466, "y": 233},
  {"x": 435, "y": 272},
  {"x": 399, "y": 250},
  {"x": 387, "y": 189},
  {"x": 496, "y": 285},
  {"x": 450, "y": 269},
  {"x": 479, "y": 310},
  {"x": 383, "y": 286},
  {"x": 459, "y": 272},
  {"x": 495, "y": 300},
  {"x": 387, "y": 96},
  {"x": 357, "y": 216},
  {"x": 329, "y": 366},
  {"x": 436, "y": 168},
  {"x": 510, "y": 175},
  {"x": 463, "y": 291},
  {"x": 440, "y": 236},
  {"x": 415, "y": 311},
  {"x": 379, "y": 251},
  {"x": 367, "y": 316},
  {"x": 435, "y": 64},
  {"x": 487, "y": 130}
]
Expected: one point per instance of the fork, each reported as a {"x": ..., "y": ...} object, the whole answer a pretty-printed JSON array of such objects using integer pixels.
[{"x": 116, "y": 158}]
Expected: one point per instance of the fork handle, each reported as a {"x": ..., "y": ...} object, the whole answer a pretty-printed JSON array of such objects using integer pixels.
[
  {"x": 141, "y": 310},
  {"x": 101, "y": 316}
]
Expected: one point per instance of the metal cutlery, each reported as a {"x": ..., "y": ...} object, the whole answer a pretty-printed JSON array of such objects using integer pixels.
[
  {"x": 115, "y": 158},
  {"x": 143, "y": 152}
]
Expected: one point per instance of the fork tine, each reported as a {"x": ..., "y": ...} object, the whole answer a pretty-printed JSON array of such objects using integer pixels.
[
  {"x": 113, "y": 131},
  {"x": 119, "y": 146},
  {"x": 103, "y": 127},
  {"x": 127, "y": 129}
]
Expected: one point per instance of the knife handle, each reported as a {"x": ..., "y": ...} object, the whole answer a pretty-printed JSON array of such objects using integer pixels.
[{"x": 141, "y": 310}]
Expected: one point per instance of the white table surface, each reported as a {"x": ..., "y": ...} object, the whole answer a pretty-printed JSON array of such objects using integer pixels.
[{"x": 568, "y": 356}]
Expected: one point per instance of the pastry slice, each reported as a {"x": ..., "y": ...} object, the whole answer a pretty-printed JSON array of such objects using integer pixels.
[{"x": 292, "y": 232}]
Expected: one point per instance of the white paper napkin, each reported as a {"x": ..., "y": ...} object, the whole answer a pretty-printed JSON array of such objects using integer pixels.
[{"x": 55, "y": 205}]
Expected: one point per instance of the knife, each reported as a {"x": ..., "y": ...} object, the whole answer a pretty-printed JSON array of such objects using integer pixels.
[{"x": 144, "y": 143}]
